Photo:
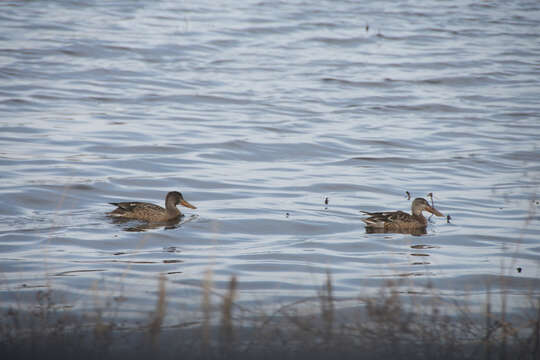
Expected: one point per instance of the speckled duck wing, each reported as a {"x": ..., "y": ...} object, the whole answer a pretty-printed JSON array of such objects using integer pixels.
[
  {"x": 134, "y": 207},
  {"x": 382, "y": 219}
]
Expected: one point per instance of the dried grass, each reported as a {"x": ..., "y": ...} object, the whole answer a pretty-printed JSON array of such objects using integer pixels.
[{"x": 389, "y": 325}]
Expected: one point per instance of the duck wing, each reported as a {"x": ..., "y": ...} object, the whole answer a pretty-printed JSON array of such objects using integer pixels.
[
  {"x": 379, "y": 219},
  {"x": 135, "y": 205}
]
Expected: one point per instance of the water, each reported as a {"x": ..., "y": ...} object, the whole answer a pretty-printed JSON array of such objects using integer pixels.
[{"x": 257, "y": 111}]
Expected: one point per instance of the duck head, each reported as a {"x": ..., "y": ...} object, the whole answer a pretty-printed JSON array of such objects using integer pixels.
[
  {"x": 421, "y": 204},
  {"x": 175, "y": 198}
]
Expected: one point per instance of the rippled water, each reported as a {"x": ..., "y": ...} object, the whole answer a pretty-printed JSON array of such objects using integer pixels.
[{"x": 257, "y": 111}]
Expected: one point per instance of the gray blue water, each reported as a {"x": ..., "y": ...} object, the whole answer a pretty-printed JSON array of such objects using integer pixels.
[{"x": 257, "y": 111}]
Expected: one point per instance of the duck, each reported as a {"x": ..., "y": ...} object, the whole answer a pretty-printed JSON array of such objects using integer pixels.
[
  {"x": 399, "y": 221},
  {"x": 151, "y": 212}
]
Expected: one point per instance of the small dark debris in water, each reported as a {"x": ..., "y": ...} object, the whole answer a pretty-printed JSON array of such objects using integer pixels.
[
  {"x": 538, "y": 202},
  {"x": 33, "y": 286},
  {"x": 518, "y": 269},
  {"x": 287, "y": 214},
  {"x": 69, "y": 273},
  {"x": 170, "y": 249},
  {"x": 408, "y": 195},
  {"x": 367, "y": 27},
  {"x": 422, "y": 246},
  {"x": 326, "y": 201},
  {"x": 119, "y": 253},
  {"x": 430, "y": 195},
  {"x": 171, "y": 261},
  {"x": 174, "y": 272},
  {"x": 448, "y": 218}
]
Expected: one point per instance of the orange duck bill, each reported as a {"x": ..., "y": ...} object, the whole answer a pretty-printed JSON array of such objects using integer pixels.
[
  {"x": 186, "y": 204},
  {"x": 433, "y": 211}
]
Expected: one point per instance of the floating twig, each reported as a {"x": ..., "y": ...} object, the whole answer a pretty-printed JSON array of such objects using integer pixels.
[{"x": 430, "y": 195}]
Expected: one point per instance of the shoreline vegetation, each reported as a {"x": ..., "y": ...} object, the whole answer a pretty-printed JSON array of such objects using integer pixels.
[{"x": 392, "y": 324}]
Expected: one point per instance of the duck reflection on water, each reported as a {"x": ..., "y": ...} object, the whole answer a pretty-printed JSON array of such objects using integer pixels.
[{"x": 137, "y": 225}]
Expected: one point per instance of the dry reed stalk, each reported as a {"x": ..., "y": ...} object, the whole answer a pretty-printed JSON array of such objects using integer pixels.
[
  {"x": 536, "y": 332},
  {"x": 159, "y": 314},
  {"x": 227, "y": 331},
  {"x": 101, "y": 329},
  {"x": 503, "y": 324},
  {"x": 207, "y": 310},
  {"x": 327, "y": 307},
  {"x": 487, "y": 335}
]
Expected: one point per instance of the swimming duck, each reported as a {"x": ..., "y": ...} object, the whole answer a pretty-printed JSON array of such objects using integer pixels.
[
  {"x": 399, "y": 221},
  {"x": 150, "y": 212}
]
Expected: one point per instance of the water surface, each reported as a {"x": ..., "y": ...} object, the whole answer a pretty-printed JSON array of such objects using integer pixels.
[{"x": 257, "y": 111}]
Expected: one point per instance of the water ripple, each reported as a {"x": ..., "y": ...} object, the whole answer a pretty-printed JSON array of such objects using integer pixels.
[{"x": 258, "y": 112}]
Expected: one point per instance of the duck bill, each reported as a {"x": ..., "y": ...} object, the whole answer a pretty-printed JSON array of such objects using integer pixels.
[
  {"x": 434, "y": 211},
  {"x": 186, "y": 204}
]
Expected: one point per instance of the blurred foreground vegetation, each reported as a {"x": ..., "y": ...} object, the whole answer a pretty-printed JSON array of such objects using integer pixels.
[{"x": 386, "y": 326}]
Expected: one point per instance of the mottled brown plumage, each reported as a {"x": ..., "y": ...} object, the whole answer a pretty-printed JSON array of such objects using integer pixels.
[
  {"x": 150, "y": 212},
  {"x": 399, "y": 221}
]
